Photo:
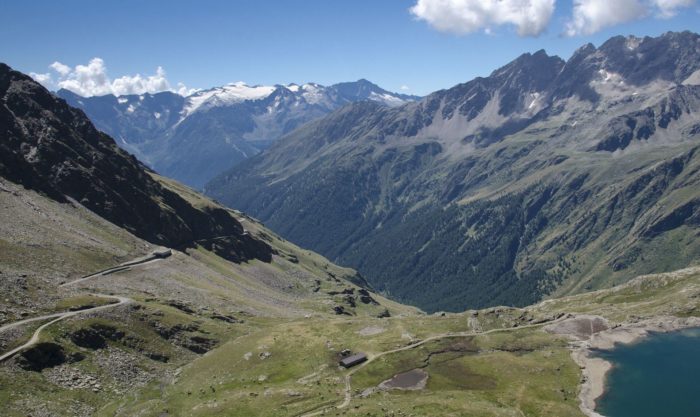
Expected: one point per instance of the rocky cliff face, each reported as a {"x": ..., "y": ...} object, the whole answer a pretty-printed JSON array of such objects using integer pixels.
[
  {"x": 545, "y": 177},
  {"x": 48, "y": 146}
]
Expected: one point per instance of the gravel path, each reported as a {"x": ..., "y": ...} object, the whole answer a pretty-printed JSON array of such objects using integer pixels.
[
  {"x": 58, "y": 317},
  {"x": 55, "y": 317}
]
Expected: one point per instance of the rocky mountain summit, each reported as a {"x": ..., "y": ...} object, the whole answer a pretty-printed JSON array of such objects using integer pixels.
[
  {"x": 194, "y": 138},
  {"x": 546, "y": 177}
]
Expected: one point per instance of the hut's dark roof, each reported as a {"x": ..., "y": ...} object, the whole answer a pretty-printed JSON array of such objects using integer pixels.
[{"x": 353, "y": 359}]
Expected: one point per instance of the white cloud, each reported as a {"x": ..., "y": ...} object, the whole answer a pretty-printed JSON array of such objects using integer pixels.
[
  {"x": 404, "y": 88},
  {"x": 669, "y": 8},
  {"x": 62, "y": 69},
  {"x": 87, "y": 80},
  {"x": 43, "y": 79},
  {"x": 184, "y": 91},
  {"x": 92, "y": 80},
  {"x": 591, "y": 16},
  {"x": 138, "y": 85},
  {"x": 530, "y": 17}
]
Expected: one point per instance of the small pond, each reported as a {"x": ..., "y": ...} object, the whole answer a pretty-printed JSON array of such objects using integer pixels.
[{"x": 411, "y": 380}]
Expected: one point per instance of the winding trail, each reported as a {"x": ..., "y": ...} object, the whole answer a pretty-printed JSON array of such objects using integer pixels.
[
  {"x": 153, "y": 257},
  {"x": 348, "y": 385},
  {"x": 56, "y": 318}
]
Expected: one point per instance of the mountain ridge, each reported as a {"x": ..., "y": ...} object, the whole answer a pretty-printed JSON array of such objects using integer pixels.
[
  {"x": 194, "y": 138},
  {"x": 517, "y": 175}
]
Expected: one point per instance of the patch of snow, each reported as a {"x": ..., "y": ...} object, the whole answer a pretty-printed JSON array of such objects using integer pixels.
[
  {"x": 293, "y": 88},
  {"x": 130, "y": 109},
  {"x": 312, "y": 93},
  {"x": 632, "y": 43},
  {"x": 140, "y": 98},
  {"x": 610, "y": 85},
  {"x": 224, "y": 96},
  {"x": 122, "y": 100},
  {"x": 610, "y": 77},
  {"x": 535, "y": 96},
  {"x": 245, "y": 154},
  {"x": 156, "y": 115},
  {"x": 387, "y": 99}
]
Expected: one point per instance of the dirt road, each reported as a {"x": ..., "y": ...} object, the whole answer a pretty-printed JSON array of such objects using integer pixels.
[
  {"x": 153, "y": 257},
  {"x": 57, "y": 317}
]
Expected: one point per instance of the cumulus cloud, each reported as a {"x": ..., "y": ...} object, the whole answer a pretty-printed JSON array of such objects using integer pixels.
[
  {"x": 44, "y": 79},
  {"x": 184, "y": 91},
  {"x": 669, "y": 8},
  {"x": 591, "y": 16},
  {"x": 530, "y": 17},
  {"x": 137, "y": 84},
  {"x": 62, "y": 69},
  {"x": 92, "y": 80}
]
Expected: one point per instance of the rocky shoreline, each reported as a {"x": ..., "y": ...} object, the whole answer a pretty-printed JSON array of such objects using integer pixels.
[{"x": 595, "y": 369}]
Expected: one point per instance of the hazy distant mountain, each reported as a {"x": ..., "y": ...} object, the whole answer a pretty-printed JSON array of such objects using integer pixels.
[
  {"x": 194, "y": 138},
  {"x": 548, "y": 176}
]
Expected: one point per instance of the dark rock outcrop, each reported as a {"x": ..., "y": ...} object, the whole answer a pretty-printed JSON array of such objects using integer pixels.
[
  {"x": 199, "y": 344},
  {"x": 45, "y": 355},
  {"x": 96, "y": 336}
]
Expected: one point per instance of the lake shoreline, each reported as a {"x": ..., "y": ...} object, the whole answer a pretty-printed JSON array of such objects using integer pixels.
[{"x": 594, "y": 369}]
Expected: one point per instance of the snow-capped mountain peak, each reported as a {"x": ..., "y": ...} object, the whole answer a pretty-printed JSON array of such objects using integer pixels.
[
  {"x": 224, "y": 96},
  {"x": 194, "y": 138}
]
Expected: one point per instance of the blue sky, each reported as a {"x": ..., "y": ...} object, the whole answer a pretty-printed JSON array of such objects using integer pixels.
[{"x": 209, "y": 43}]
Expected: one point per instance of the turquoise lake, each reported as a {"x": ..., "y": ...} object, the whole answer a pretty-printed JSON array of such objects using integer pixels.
[{"x": 658, "y": 376}]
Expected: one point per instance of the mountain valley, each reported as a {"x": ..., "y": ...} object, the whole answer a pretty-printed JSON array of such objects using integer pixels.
[
  {"x": 548, "y": 177},
  {"x": 498, "y": 234}
]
